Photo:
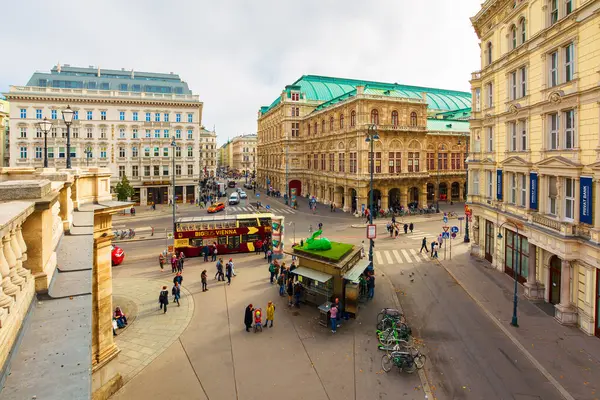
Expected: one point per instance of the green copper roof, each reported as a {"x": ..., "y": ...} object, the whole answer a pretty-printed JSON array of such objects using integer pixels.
[
  {"x": 325, "y": 89},
  {"x": 446, "y": 125}
]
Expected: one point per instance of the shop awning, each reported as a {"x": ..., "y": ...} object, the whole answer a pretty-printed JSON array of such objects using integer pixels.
[
  {"x": 312, "y": 274},
  {"x": 354, "y": 273}
]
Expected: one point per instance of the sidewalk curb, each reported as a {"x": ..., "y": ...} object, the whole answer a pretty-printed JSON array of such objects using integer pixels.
[
  {"x": 142, "y": 239},
  {"x": 512, "y": 338},
  {"x": 422, "y": 375}
]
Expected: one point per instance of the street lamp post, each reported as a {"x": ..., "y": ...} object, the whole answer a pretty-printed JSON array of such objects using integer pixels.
[
  {"x": 88, "y": 153},
  {"x": 67, "y": 115},
  {"x": 372, "y": 136},
  {"x": 515, "y": 260},
  {"x": 466, "y": 239},
  {"x": 45, "y": 127},
  {"x": 173, "y": 146},
  {"x": 287, "y": 184}
]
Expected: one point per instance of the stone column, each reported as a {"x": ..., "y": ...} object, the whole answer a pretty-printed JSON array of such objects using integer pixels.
[
  {"x": 423, "y": 195},
  {"x": 22, "y": 244},
  {"x": 14, "y": 243},
  {"x": 461, "y": 194},
  {"x": 6, "y": 301},
  {"x": 12, "y": 262},
  {"x": 533, "y": 291},
  {"x": 404, "y": 196},
  {"x": 384, "y": 201},
  {"x": 41, "y": 258},
  {"x": 565, "y": 312},
  {"x": 347, "y": 201},
  {"x": 184, "y": 194}
]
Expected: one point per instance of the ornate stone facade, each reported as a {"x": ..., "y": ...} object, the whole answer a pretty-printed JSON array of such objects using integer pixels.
[
  {"x": 535, "y": 161},
  {"x": 318, "y": 147}
]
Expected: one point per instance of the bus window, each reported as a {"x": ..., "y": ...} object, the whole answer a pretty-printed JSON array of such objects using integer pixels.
[
  {"x": 234, "y": 242},
  {"x": 250, "y": 238},
  {"x": 204, "y": 225},
  {"x": 265, "y": 221},
  {"x": 196, "y": 242},
  {"x": 222, "y": 240},
  {"x": 248, "y": 223}
]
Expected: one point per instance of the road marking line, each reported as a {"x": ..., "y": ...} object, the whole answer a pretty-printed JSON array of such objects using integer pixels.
[
  {"x": 406, "y": 255},
  {"x": 388, "y": 257},
  {"x": 379, "y": 260},
  {"x": 513, "y": 339},
  {"x": 416, "y": 255},
  {"x": 397, "y": 255}
]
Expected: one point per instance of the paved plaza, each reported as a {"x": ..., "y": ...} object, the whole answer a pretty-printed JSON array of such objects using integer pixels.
[{"x": 202, "y": 351}]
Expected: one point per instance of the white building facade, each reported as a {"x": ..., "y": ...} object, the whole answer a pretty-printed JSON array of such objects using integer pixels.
[{"x": 128, "y": 126}]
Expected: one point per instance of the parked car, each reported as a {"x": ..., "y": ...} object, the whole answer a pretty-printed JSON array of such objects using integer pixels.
[
  {"x": 117, "y": 255},
  {"x": 234, "y": 199},
  {"x": 231, "y": 184},
  {"x": 216, "y": 207},
  {"x": 243, "y": 195},
  {"x": 248, "y": 185}
]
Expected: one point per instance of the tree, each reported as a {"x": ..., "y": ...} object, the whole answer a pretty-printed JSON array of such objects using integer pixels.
[{"x": 124, "y": 189}]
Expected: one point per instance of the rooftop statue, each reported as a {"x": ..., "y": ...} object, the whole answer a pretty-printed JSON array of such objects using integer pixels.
[{"x": 313, "y": 243}]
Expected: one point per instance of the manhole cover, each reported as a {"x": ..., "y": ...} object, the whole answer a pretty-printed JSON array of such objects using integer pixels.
[{"x": 296, "y": 313}]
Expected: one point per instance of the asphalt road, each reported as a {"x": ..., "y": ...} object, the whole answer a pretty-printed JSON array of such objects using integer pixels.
[{"x": 468, "y": 356}]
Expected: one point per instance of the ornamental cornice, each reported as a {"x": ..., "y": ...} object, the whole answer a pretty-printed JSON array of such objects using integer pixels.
[{"x": 107, "y": 101}]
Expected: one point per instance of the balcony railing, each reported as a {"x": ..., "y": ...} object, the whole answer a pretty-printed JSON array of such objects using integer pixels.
[
  {"x": 546, "y": 222},
  {"x": 103, "y": 93}
]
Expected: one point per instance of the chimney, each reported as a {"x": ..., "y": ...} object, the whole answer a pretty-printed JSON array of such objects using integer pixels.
[
  {"x": 424, "y": 96},
  {"x": 360, "y": 89},
  {"x": 132, "y": 74},
  {"x": 58, "y": 67},
  {"x": 98, "y": 70}
]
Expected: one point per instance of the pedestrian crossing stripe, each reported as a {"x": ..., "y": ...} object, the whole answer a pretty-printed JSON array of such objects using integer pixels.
[
  {"x": 402, "y": 256},
  {"x": 253, "y": 209}
]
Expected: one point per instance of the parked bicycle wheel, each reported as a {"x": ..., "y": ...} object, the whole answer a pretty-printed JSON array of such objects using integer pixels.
[
  {"x": 387, "y": 363},
  {"x": 420, "y": 360}
]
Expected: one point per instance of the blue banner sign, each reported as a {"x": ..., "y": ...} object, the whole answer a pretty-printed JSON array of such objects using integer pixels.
[
  {"x": 499, "y": 184},
  {"x": 533, "y": 190},
  {"x": 585, "y": 200}
]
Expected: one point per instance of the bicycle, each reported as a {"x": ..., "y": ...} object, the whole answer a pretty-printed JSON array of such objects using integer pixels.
[
  {"x": 388, "y": 320},
  {"x": 404, "y": 360},
  {"x": 390, "y": 312}
]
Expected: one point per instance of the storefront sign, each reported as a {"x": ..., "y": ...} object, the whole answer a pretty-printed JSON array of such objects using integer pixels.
[
  {"x": 499, "y": 184},
  {"x": 585, "y": 200},
  {"x": 533, "y": 191}
]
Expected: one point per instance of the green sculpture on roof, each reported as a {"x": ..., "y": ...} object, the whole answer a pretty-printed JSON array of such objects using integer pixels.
[{"x": 321, "y": 244}]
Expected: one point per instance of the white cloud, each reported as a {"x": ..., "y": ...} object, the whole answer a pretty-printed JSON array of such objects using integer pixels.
[{"x": 239, "y": 55}]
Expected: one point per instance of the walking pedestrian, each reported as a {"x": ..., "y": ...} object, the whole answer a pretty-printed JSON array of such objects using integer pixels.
[
  {"x": 232, "y": 267},
  {"x": 176, "y": 292},
  {"x": 258, "y": 247},
  {"x": 161, "y": 261},
  {"x": 290, "y": 291},
  {"x": 270, "y": 314},
  {"x": 371, "y": 286},
  {"x": 272, "y": 272},
  {"x": 440, "y": 240},
  {"x": 433, "y": 247},
  {"x": 248, "y": 317},
  {"x": 396, "y": 231},
  {"x": 265, "y": 248},
  {"x": 411, "y": 227},
  {"x": 215, "y": 252},
  {"x": 163, "y": 298},
  {"x": 435, "y": 253},
  {"x": 405, "y": 229},
  {"x": 178, "y": 279},
  {"x": 333, "y": 318},
  {"x": 281, "y": 283},
  {"x": 173, "y": 262},
  {"x": 203, "y": 278},
  {"x": 205, "y": 251},
  {"x": 269, "y": 256},
  {"x": 180, "y": 260},
  {"x": 219, "y": 275},
  {"x": 298, "y": 290},
  {"x": 320, "y": 226},
  {"x": 229, "y": 272},
  {"x": 424, "y": 246},
  {"x": 393, "y": 219}
]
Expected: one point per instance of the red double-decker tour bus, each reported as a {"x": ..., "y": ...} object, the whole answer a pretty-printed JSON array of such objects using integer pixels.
[{"x": 231, "y": 233}]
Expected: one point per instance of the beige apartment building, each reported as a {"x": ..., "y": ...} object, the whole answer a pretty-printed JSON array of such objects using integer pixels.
[
  {"x": 4, "y": 131},
  {"x": 312, "y": 139},
  {"x": 243, "y": 150},
  {"x": 534, "y": 167}
]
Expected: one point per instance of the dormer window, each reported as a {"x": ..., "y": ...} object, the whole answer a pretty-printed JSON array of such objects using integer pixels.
[{"x": 295, "y": 96}]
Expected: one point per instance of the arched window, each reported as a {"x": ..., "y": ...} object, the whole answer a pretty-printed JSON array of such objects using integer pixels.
[
  {"x": 341, "y": 121},
  {"x": 353, "y": 118},
  {"x": 395, "y": 118},
  {"x": 523, "y": 27},
  {"x": 323, "y": 126},
  {"x": 513, "y": 37},
  {"x": 375, "y": 117},
  {"x": 331, "y": 124},
  {"x": 413, "y": 119},
  {"x": 316, "y": 128},
  {"x": 489, "y": 53}
]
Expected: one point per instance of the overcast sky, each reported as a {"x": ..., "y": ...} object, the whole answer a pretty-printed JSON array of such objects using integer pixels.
[{"x": 239, "y": 55}]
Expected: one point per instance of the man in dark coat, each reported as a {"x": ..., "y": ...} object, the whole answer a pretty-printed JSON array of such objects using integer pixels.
[{"x": 248, "y": 317}]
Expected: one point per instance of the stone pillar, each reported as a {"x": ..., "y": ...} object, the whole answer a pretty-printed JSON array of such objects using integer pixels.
[
  {"x": 6, "y": 301},
  {"x": 12, "y": 262},
  {"x": 404, "y": 196},
  {"x": 347, "y": 201},
  {"x": 14, "y": 242},
  {"x": 384, "y": 201},
  {"x": 423, "y": 195},
  {"x": 184, "y": 194},
  {"x": 41, "y": 257},
  {"x": 461, "y": 187},
  {"x": 66, "y": 206},
  {"x": 565, "y": 312},
  {"x": 533, "y": 290}
]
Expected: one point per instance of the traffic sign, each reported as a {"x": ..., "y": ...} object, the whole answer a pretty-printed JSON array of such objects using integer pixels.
[
  {"x": 453, "y": 235},
  {"x": 445, "y": 228},
  {"x": 461, "y": 218},
  {"x": 257, "y": 194},
  {"x": 445, "y": 219},
  {"x": 445, "y": 235},
  {"x": 268, "y": 207},
  {"x": 454, "y": 229}
]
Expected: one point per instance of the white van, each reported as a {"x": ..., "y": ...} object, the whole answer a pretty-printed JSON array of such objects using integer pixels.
[{"x": 234, "y": 199}]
